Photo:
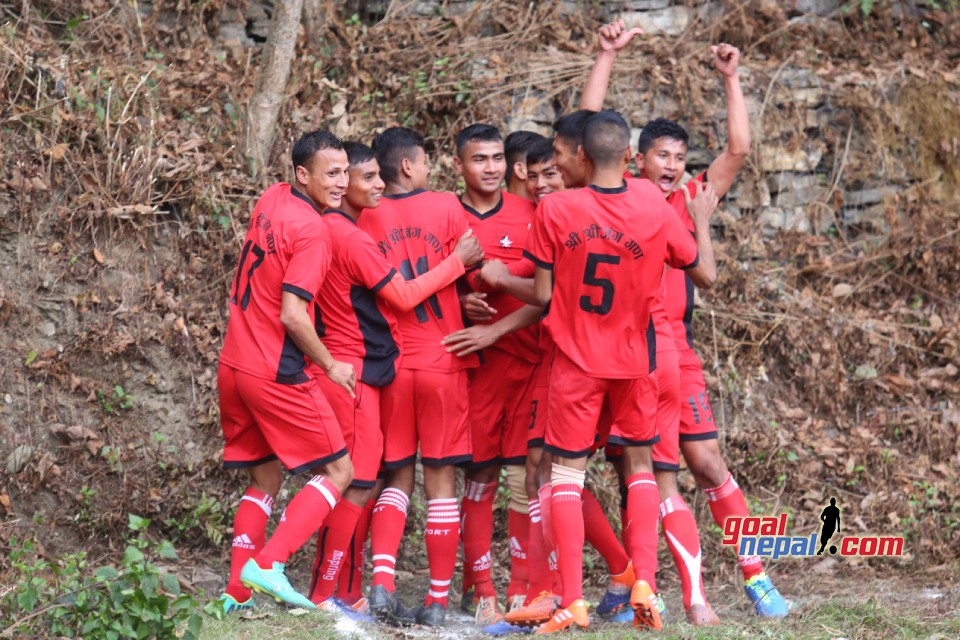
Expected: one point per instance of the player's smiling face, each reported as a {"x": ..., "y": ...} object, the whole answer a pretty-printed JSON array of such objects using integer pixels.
[
  {"x": 664, "y": 163},
  {"x": 325, "y": 178},
  {"x": 543, "y": 178},
  {"x": 483, "y": 165},
  {"x": 365, "y": 187},
  {"x": 571, "y": 169}
]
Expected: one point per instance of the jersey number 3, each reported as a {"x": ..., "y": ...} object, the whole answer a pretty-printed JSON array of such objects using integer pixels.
[{"x": 606, "y": 286}]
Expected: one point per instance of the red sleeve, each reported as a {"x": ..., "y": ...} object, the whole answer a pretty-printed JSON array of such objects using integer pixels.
[
  {"x": 521, "y": 268},
  {"x": 406, "y": 294},
  {"x": 681, "y": 246},
  {"x": 367, "y": 264},
  {"x": 458, "y": 227},
  {"x": 540, "y": 247},
  {"x": 309, "y": 261}
]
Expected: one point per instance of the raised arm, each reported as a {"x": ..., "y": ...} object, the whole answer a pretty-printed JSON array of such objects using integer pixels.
[
  {"x": 725, "y": 167},
  {"x": 612, "y": 38}
]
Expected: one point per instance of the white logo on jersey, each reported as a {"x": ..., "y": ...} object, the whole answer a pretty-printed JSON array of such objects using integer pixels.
[{"x": 506, "y": 242}]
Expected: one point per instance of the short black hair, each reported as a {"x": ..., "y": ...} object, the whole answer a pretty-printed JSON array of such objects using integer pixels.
[
  {"x": 358, "y": 153},
  {"x": 477, "y": 133},
  {"x": 570, "y": 127},
  {"x": 309, "y": 143},
  {"x": 605, "y": 138},
  {"x": 516, "y": 147},
  {"x": 392, "y": 146},
  {"x": 657, "y": 129},
  {"x": 541, "y": 151}
]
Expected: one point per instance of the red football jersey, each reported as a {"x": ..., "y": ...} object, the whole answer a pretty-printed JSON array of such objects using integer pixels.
[
  {"x": 286, "y": 249},
  {"x": 415, "y": 231},
  {"x": 606, "y": 248},
  {"x": 351, "y": 319},
  {"x": 502, "y": 233},
  {"x": 679, "y": 287}
]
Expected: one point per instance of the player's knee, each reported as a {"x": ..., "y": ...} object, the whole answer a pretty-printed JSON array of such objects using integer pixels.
[
  {"x": 516, "y": 481},
  {"x": 710, "y": 470},
  {"x": 267, "y": 478},
  {"x": 340, "y": 472}
]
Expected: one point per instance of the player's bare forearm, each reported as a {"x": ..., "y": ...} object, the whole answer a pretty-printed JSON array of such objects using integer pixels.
[
  {"x": 704, "y": 275},
  {"x": 595, "y": 90},
  {"x": 723, "y": 170},
  {"x": 521, "y": 288},
  {"x": 404, "y": 295},
  {"x": 481, "y": 336},
  {"x": 543, "y": 286},
  {"x": 296, "y": 322}
]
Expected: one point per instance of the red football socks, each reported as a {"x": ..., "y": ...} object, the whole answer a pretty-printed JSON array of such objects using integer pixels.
[
  {"x": 300, "y": 520},
  {"x": 546, "y": 510},
  {"x": 538, "y": 569},
  {"x": 567, "y": 514},
  {"x": 350, "y": 588},
  {"x": 386, "y": 531},
  {"x": 642, "y": 500},
  {"x": 600, "y": 535},
  {"x": 683, "y": 539},
  {"x": 518, "y": 528},
  {"x": 443, "y": 541},
  {"x": 333, "y": 549},
  {"x": 249, "y": 534},
  {"x": 477, "y": 533},
  {"x": 725, "y": 501}
]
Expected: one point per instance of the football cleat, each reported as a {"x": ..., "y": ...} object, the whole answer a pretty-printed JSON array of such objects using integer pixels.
[
  {"x": 537, "y": 612},
  {"x": 644, "y": 603},
  {"x": 767, "y": 601},
  {"x": 230, "y": 604},
  {"x": 273, "y": 582},
  {"x": 573, "y": 615}
]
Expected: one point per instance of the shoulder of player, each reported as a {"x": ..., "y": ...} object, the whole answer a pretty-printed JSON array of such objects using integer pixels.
[{"x": 516, "y": 202}]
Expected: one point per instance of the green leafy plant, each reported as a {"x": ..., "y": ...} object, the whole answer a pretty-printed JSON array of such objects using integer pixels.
[{"x": 64, "y": 597}]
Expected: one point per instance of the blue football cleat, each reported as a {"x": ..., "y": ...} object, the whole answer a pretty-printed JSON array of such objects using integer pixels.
[
  {"x": 767, "y": 601},
  {"x": 230, "y": 604},
  {"x": 612, "y": 602},
  {"x": 272, "y": 582},
  {"x": 338, "y": 607},
  {"x": 504, "y": 628}
]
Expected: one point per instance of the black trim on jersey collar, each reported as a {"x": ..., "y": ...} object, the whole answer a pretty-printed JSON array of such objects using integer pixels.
[
  {"x": 483, "y": 216},
  {"x": 610, "y": 190},
  {"x": 296, "y": 194},
  {"x": 537, "y": 261},
  {"x": 400, "y": 196},
  {"x": 340, "y": 212}
]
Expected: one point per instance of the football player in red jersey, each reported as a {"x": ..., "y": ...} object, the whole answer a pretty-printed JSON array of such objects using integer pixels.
[
  {"x": 501, "y": 389},
  {"x": 271, "y": 409},
  {"x": 543, "y": 176},
  {"x": 661, "y": 158},
  {"x": 354, "y": 317},
  {"x": 428, "y": 402},
  {"x": 588, "y": 244},
  {"x": 515, "y": 149}
]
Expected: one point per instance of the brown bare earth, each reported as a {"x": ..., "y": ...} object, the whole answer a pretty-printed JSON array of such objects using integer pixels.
[{"x": 831, "y": 341}]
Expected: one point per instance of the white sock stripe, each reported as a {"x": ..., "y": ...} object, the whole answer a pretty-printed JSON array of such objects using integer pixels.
[
  {"x": 383, "y": 556},
  {"x": 443, "y": 520},
  {"x": 691, "y": 564},
  {"x": 383, "y": 570},
  {"x": 438, "y": 594},
  {"x": 395, "y": 493},
  {"x": 440, "y": 583},
  {"x": 442, "y": 501},
  {"x": 535, "y": 519},
  {"x": 567, "y": 493},
  {"x": 264, "y": 505},
  {"x": 637, "y": 483},
  {"x": 318, "y": 483}
]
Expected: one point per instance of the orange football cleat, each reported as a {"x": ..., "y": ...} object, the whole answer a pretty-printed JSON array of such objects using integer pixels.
[
  {"x": 537, "y": 612},
  {"x": 574, "y": 615},
  {"x": 644, "y": 603}
]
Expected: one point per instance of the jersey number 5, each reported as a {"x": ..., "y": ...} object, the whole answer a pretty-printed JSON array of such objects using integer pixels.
[
  {"x": 606, "y": 286},
  {"x": 248, "y": 248}
]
